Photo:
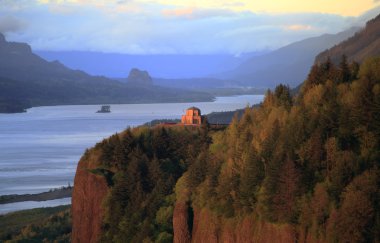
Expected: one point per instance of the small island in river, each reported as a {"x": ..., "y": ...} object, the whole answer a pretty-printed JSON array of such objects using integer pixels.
[{"x": 104, "y": 109}]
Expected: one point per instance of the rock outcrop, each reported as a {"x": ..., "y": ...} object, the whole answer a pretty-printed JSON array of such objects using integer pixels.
[
  {"x": 88, "y": 195},
  {"x": 139, "y": 78},
  {"x": 208, "y": 227},
  {"x": 181, "y": 220}
]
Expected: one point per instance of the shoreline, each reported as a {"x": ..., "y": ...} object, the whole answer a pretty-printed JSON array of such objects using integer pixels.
[{"x": 53, "y": 194}]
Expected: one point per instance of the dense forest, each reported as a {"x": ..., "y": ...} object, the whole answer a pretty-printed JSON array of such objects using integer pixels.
[
  {"x": 310, "y": 160},
  {"x": 142, "y": 167}
]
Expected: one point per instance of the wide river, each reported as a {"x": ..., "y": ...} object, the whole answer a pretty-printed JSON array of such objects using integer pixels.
[{"x": 40, "y": 149}]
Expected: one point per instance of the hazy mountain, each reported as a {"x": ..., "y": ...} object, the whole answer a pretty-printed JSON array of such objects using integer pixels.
[
  {"x": 194, "y": 83},
  {"x": 161, "y": 66},
  {"x": 139, "y": 78},
  {"x": 363, "y": 44},
  {"x": 289, "y": 64},
  {"x": 179, "y": 83},
  {"x": 28, "y": 80}
]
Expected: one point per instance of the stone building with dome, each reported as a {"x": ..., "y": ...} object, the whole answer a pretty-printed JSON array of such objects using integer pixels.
[{"x": 192, "y": 117}]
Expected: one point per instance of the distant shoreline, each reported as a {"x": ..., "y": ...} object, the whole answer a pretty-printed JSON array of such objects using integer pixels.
[
  {"x": 16, "y": 107},
  {"x": 58, "y": 193}
]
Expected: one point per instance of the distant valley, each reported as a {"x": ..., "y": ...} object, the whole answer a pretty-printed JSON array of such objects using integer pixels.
[{"x": 27, "y": 80}]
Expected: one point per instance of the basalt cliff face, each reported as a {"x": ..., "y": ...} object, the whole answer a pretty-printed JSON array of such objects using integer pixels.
[
  {"x": 205, "y": 226},
  {"x": 88, "y": 195},
  {"x": 190, "y": 225}
]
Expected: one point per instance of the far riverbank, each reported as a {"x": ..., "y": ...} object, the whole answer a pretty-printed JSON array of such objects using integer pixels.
[{"x": 53, "y": 194}]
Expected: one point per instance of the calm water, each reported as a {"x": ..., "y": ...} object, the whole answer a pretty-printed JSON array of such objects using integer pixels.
[
  {"x": 39, "y": 150},
  {"x": 11, "y": 207}
]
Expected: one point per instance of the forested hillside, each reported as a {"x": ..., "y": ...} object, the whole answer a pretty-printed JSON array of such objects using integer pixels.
[
  {"x": 363, "y": 44},
  {"x": 296, "y": 169},
  {"x": 140, "y": 169},
  {"x": 288, "y": 65},
  {"x": 310, "y": 161}
]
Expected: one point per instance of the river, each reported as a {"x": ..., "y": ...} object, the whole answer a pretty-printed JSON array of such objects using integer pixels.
[{"x": 40, "y": 149}]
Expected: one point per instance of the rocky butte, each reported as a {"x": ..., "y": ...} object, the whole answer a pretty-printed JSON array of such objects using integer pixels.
[{"x": 139, "y": 78}]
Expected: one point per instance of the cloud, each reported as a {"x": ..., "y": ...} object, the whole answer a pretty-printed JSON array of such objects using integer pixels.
[
  {"x": 197, "y": 13},
  {"x": 179, "y": 12},
  {"x": 298, "y": 27},
  {"x": 149, "y": 27},
  {"x": 11, "y": 24},
  {"x": 234, "y": 4}
]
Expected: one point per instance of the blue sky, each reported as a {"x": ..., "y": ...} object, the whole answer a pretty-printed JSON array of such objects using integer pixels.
[{"x": 175, "y": 26}]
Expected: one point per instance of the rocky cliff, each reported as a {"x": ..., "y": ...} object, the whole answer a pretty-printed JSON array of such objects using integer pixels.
[
  {"x": 89, "y": 191},
  {"x": 205, "y": 226}
]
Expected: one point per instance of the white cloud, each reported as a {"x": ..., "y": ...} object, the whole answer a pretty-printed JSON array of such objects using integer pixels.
[{"x": 137, "y": 27}]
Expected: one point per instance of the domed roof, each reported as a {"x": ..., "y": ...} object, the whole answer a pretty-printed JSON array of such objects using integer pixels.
[{"x": 193, "y": 108}]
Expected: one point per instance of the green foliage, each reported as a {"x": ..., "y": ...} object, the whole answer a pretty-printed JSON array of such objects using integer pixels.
[
  {"x": 164, "y": 237},
  {"x": 146, "y": 164},
  {"x": 37, "y": 225},
  {"x": 283, "y": 97},
  {"x": 310, "y": 161},
  {"x": 251, "y": 178},
  {"x": 299, "y": 160},
  {"x": 105, "y": 173},
  {"x": 357, "y": 215}
]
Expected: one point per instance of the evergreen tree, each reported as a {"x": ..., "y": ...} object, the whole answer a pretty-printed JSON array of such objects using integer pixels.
[{"x": 344, "y": 70}]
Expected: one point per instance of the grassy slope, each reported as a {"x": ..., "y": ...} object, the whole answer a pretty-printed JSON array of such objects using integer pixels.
[{"x": 12, "y": 223}]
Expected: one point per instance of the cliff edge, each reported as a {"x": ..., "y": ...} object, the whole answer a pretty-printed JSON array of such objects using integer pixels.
[{"x": 89, "y": 192}]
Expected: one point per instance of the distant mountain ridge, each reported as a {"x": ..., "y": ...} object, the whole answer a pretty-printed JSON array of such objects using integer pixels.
[
  {"x": 168, "y": 66},
  {"x": 363, "y": 44},
  {"x": 289, "y": 65},
  {"x": 28, "y": 80}
]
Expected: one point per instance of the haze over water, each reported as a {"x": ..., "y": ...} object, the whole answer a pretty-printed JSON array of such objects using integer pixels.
[{"x": 40, "y": 149}]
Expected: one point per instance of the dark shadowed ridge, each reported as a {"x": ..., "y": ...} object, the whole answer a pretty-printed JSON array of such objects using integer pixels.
[
  {"x": 288, "y": 65},
  {"x": 363, "y": 44}
]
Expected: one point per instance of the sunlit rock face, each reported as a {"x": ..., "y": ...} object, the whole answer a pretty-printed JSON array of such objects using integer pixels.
[
  {"x": 208, "y": 227},
  {"x": 88, "y": 195}
]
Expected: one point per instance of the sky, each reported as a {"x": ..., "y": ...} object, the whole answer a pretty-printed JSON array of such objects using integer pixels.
[{"x": 176, "y": 26}]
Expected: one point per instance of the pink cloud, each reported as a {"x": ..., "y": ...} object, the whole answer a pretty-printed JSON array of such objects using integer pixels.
[
  {"x": 298, "y": 27},
  {"x": 179, "y": 12}
]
